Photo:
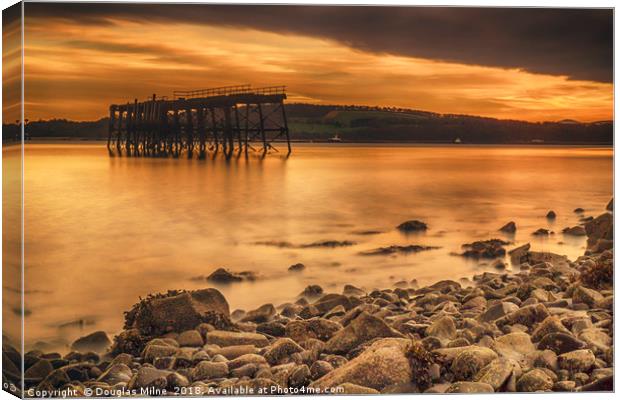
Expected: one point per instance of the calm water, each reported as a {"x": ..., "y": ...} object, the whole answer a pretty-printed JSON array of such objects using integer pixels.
[{"x": 101, "y": 231}]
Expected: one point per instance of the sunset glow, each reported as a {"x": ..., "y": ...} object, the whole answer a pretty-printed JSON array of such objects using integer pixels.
[{"x": 74, "y": 70}]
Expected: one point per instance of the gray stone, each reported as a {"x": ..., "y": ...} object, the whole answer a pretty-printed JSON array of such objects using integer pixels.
[
  {"x": 534, "y": 381},
  {"x": 469, "y": 361},
  {"x": 578, "y": 360},
  {"x": 149, "y": 378},
  {"x": 190, "y": 338},
  {"x": 469, "y": 387},
  {"x": 496, "y": 373},
  {"x": 96, "y": 341},
  {"x": 206, "y": 370},
  {"x": 227, "y": 338},
  {"x": 314, "y": 328},
  {"x": 280, "y": 349},
  {"x": 116, "y": 373},
  {"x": 363, "y": 328},
  {"x": 382, "y": 364},
  {"x": 560, "y": 343},
  {"x": 444, "y": 328}
]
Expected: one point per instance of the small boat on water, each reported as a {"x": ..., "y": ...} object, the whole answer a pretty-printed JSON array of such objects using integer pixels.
[{"x": 335, "y": 139}]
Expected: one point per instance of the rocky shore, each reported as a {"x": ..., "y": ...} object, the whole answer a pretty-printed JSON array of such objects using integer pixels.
[{"x": 545, "y": 326}]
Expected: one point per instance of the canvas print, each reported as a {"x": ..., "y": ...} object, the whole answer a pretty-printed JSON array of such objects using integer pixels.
[{"x": 204, "y": 199}]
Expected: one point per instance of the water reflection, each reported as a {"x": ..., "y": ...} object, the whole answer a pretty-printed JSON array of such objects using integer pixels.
[{"x": 101, "y": 231}]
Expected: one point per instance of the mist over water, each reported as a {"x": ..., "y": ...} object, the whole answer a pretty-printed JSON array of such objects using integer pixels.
[{"x": 101, "y": 232}]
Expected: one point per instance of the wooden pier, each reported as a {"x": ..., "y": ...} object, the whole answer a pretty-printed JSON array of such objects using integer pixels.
[{"x": 230, "y": 120}]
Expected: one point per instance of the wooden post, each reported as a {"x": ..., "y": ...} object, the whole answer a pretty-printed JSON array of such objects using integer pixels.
[
  {"x": 119, "y": 133},
  {"x": 288, "y": 139},
  {"x": 111, "y": 125},
  {"x": 262, "y": 128}
]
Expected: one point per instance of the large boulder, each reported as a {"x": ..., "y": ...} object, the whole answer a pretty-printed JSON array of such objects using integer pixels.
[
  {"x": 363, "y": 328},
  {"x": 314, "y": 328},
  {"x": 382, "y": 364},
  {"x": 178, "y": 311},
  {"x": 412, "y": 226},
  {"x": 577, "y": 361},
  {"x": 535, "y": 380},
  {"x": 470, "y": 361},
  {"x": 601, "y": 227},
  {"x": 96, "y": 341}
]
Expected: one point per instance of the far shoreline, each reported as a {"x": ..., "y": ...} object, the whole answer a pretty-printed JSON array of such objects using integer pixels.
[{"x": 309, "y": 143}]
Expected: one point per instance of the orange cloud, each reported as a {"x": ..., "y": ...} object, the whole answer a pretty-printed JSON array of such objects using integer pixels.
[{"x": 74, "y": 71}]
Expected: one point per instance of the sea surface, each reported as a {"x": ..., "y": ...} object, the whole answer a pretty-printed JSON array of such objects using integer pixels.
[{"x": 101, "y": 231}]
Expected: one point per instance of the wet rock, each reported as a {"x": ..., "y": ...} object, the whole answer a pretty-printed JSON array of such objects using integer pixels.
[
  {"x": 605, "y": 384},
  {"x": 246, "y": 359},
  {"x": 444, "y": 328},
  {"x": 596, "y": 338},
  {"x": 272, "y": 328},
  {"x": 534, "y": 381},
  {"x": 575, "y": 231},
  {"x": 412, "y": 226},
  {"x": 225, "y": 276},
  {"x": 280, "y": 349},
  {"x": 178, "y": 311},
  {"x": 578, "y": 210},
  {"x": 469, "y": 387},
  {"x": 312, "y": 292},
  {"x": 39, "y": 370},
  {"x": 564, "y": 386},
  {"x": 319, "y": 369},
  {"x": 262, "y": 314},
  {"x": 360, "y": 330},
  {"x": 519, "y": 254},
  {"x": 498, "y": 311},
  {"x": 551, "y": 215},
  {"x": 154, "y": 351},
  {"x": 588, "y": 296},
  {"x": 545, "y": 359},
  {"x": 226, "y": 338},
  {"x": 296, "y": 267},
  {"x": 391, "y": 250},
  {"x": 551, "y": 324},
  {"x": 54, "y": 380},
  {"x": 560, "y": 343},
  {"x": 314, "y": 328},
  {"x": 149, "y": 378},
  {"x": 96, "y": 341},
  {"x": 578, "y": 360},
  {"x": 351, "y": 388},
  {"x": 469, "y": 361},
  {"x": 492, "y": 248},
  {"x": 510, "y": 227},
  {"x": 542, "y": 232},
  {"x": 299, "y": 376},
  {"x": 610, "y": 205},
  {"x": 350, "y": 290},
  {"x": 190, "y": 338},
  {"x": 209, "y": 370},
  {"x": 528, "y": 316},
  {"x": 495, "y": 374},
  {"x": 382, "y": 364},
  {"x": 514, "y": 346},
  {"x": 329, "y": 301},
  {"x": 328, "y": 243},
  {"x": 600, "y": 227},
  {"x": 117, "y": 373}
]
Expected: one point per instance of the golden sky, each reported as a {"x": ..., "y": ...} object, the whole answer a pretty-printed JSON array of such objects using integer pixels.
[{"x": 75, "y": 70}]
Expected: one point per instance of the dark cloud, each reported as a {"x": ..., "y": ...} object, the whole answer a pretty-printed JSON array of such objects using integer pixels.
[{"x": 573, "y": 42}]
